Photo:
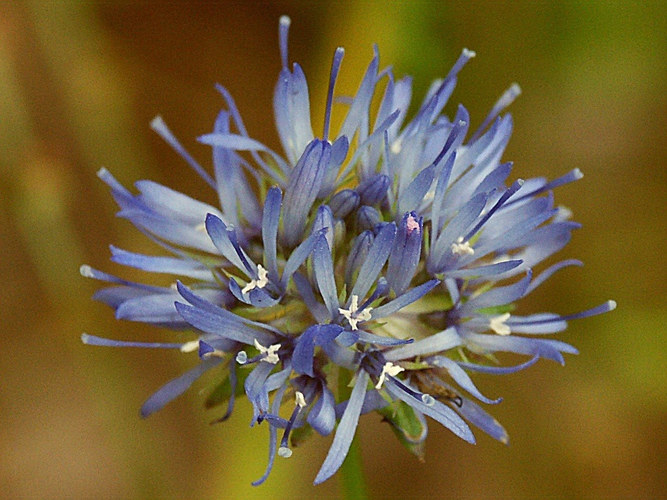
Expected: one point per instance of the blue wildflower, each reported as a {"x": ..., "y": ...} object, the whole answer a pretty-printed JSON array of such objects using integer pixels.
[{"x": 389, "y": 254}]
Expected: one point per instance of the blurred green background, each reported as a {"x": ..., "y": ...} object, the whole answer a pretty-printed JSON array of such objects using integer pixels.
[{"x": 79, "y": 83}]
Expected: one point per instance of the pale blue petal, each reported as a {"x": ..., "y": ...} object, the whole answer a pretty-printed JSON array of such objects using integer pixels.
[
  {"x": 441, "y": 341},
  {"x": 377, "y": 256},
  {"x": 174, "y": 388},
  {"x": 345, "y": 432}
]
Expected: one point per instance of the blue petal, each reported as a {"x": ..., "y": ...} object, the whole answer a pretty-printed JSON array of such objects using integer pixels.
[
  {"x": 374, "y": 189},
  {"x": 412, "y": 196},
  {"x": 438, "y": 411},
  {"x": 545, "y": 348},
  {"x": 324, "y": 224},
  {"x": 159, "y": 126},
  {"x": 219, "y": 234},
  {"x": 172, "y": 204},
  {"x": 460, "y": 377},
  {"x": 228, "y": 316},
  {"x": 99, "y": 341},
  {"x": 292, "y": 112},
  {"x": 273, "y": 436},
  {"x": 171, "y": 265},
  {"x": 499, "y": 370},
  {"x": 377, "y": 256},
  {"x": 345, "y": 432},
  {"x": 405, "y": 255},
  {"x": 324, "y": 275},
  {"x": 357, "y": 115},
  {"x": 343, "y": 202},
  {"x": 302, "y": 357},
  {"x": 441, "y": 341},
  {"x": 298, "y": 256},
  {"x": 401, "y": 301},
  {"x": 485, "y": 271},
  {"x": 369, "y": 338},
  {"x": 357, "y": 256},
  {"x": 221, "y": 325},
  {"x": 372, "y": 401},
  {"x": 322, "y": 417},
  {"x": 367, "y": 218},
  {"x": 497, "y": 296},
  {"x": 174, "y": 388},
  {"x": 270, "y": 221},
  {"x": 156, "y": 308},
  {"x": 255, "y": 390},
  {"x": 302, "y": 190},
  {"x": 319, "y": 312}
]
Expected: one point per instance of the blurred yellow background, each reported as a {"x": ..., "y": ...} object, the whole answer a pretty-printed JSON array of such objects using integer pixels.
[{"x": 79, "y": 83}]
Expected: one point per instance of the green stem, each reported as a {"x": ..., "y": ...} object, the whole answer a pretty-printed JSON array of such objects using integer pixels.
[{"x": 352, "y": 474}]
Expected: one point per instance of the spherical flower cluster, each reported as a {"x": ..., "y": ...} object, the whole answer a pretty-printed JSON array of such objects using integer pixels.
[{"x": 370, "y": 270}]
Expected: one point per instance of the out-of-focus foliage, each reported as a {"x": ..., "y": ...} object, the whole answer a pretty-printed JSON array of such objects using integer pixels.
[{"x": 79, "y": 83}]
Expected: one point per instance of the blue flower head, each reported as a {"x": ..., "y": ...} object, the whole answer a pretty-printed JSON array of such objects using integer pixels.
[{"x": 372, "y": 268}]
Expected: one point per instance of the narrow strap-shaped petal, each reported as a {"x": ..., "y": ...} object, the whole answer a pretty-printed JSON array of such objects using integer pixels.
[
  {"x": 377, "y": 256},
  {"x": 345, "y": 432},
  {"x": 370, "y": 338},
  {"x": 273, "y": 436},
  {"x": 404, "y": 300},
  {"x": 441, "y": 341},
  {"x": 497, "y": 296},
  {"x": 302, "y": 357},
  {"x": 437, "y": 411},
  {"x": 319, "y": 312},
  {"x": 485, "y": 271},
  {"x": 404, "y": 257},
  {"x": 154, "y": 308},
  {"x": 460, "y": 377},
  {"x": 412, "y": 196},
  {"x": 322, "y": 416},
  {"x": 220, "y": 325},
  {"x": 270, "y": 220},
  {"x": 201, "y": 303},
  {"x": 324, "y": 275},
  {"x": 174, "y": 388},
  {"x": 254, "y": 388},
  {"x": 499, "y": 370},
  {"x": 324, "y": 224},
  {"x": 219, "y": 234},
  {"x": 100, "y": 341},
  {"x": 89, "y": 272},
  {"x": 439, "y": 198},
  {"x": 158, "y": 264},
  {"x": 545, "y": 348},
  {"x": 173, "y": 204},
  {"x": 547, "y": 273},
  {"x": 302, "y": 189},
  {"x": 159, "y": 126}
]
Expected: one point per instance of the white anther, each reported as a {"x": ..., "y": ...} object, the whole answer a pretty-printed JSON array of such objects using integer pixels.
[
  {"x": 201, "y": 227},
  {"x": 390, "y": 369},
  {"x": 284, "y": 452},
  {"x": 396, "y": 147},
  {"x": 461, "y": 247},
  {"x": 270, "y": 353},
  {"x": 300, "y": 400},
  {"x": 193, "y": 345},
  {"x": 260, "y": 282},
  {"x": 353, "y": 315},
  {"x": 498, "y": 325}
]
